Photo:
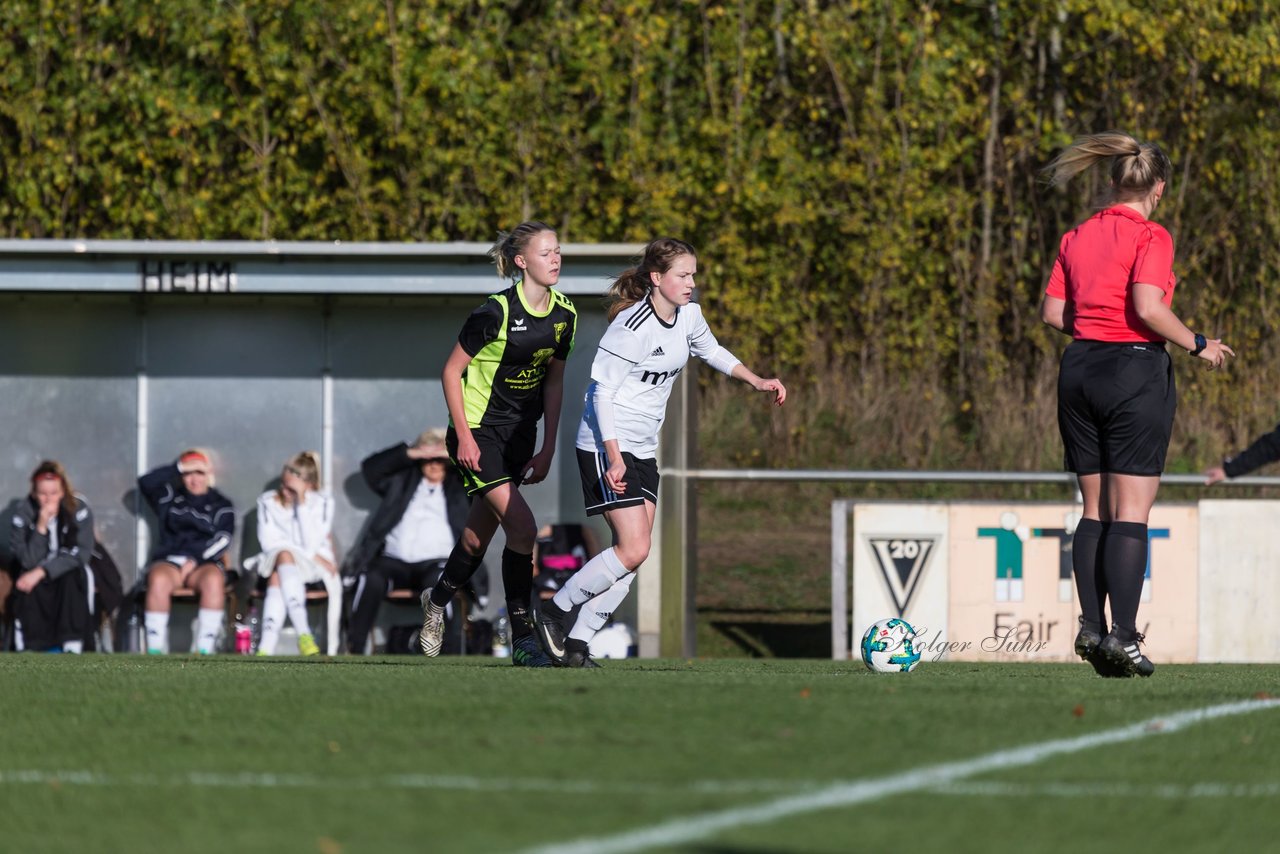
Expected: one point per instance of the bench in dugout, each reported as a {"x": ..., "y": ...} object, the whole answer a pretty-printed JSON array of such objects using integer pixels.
[
  {"x": 324, "y": 612},
  {"x": 400, "y": 620}
]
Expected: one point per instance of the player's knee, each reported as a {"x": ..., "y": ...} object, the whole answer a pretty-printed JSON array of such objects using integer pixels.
[
  {"x": 212, "y": 583},
  {"x": 160, "y": 578},
  {"x": 284, "y": 557},
  {"x": 632, "y": 554},
  {"x": 522, "y": 541},
  {"x": 471, "y": 543}
]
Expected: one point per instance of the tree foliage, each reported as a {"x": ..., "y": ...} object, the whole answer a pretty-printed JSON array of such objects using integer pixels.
[{"x": 862, "y": 178}]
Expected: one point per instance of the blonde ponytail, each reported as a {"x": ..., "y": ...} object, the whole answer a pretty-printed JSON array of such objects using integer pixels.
[
  {"x": 511, "y": 243},
  {"x": 1136, "y": 167}
]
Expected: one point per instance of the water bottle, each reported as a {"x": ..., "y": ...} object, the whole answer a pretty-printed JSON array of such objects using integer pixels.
[
  {"x": 501, "y": 635},
  {"x": 244, "y": 637},
  {"x": 253, "y": 629}
]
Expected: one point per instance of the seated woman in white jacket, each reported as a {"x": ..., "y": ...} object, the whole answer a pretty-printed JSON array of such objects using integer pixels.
[{"x": 294, "y": 524}]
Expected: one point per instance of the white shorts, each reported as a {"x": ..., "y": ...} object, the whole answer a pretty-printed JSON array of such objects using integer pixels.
[{"x": 264, "y": 563}]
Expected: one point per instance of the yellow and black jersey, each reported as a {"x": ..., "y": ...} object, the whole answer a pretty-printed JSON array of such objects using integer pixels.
[{"x": 510, "y": 345}]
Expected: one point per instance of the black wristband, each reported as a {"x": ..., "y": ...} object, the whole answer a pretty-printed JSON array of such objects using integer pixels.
[{"x": 1201, "y": 343}]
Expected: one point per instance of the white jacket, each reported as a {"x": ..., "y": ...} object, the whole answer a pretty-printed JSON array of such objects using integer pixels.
[{"x": 303, "y": 529}]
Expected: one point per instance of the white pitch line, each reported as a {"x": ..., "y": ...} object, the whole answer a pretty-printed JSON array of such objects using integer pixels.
[
  {"x": 684, "y": 830},
  {"x": 255, "y": 780},
  {"x": 1095, "y": 790}
]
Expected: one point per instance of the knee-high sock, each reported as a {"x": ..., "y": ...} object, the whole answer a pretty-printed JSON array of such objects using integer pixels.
[
  {"x": 1124, "y": 558},
  {"x": 458, "y": 570},
  {"x": 517, "y": 581},
  {"x": 1091, "y": 580},
  {"x": 157, "y": 626},
  {"x": 272, "y": 620},
  {"x": 208, "y": 624},
  {"x": 295, "y": 596},
  {"x": 598, "y": 609},
  {"x": 597, "y": 576}
]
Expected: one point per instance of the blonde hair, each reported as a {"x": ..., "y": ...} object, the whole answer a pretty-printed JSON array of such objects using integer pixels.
[
  {"x": 633, "y": 285},
  {"x": 1136, "y": 167},
  {"x": 430, "y": 436},
  {"x": 511, "y": 243},
  {"x": 308, "y": 465},
  {"x": 50, "y": 469}
]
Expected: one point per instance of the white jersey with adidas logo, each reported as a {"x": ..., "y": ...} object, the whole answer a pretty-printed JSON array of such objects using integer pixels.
[{"x": 635, "y": 368}]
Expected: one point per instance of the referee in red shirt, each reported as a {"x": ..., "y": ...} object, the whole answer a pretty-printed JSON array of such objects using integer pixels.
[{"x": 1111, "y": 291}]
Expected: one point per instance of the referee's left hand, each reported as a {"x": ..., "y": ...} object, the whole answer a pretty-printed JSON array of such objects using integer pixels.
[{"x": 1215, "y": 353}]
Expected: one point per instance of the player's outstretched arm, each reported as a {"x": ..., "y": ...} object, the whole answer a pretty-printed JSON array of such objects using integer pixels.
[{"x": 742, "y": 372}]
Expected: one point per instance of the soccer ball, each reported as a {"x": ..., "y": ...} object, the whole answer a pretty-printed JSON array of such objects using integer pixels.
[{"x": 888, "y": 647}]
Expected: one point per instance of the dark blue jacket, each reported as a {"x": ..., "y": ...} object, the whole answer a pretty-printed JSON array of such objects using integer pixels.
[
  {"x": 194, "y": 526},
  {"x": 1265, "y": 449}
]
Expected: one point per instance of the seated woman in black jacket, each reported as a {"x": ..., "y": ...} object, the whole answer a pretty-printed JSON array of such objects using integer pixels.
[
  {"x": 408, "y": 538},
  {"x": 51, "y": 540},
  {"x": 196, "y": 523}
]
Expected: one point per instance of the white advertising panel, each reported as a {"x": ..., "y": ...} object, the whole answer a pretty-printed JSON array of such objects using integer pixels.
[
  {"x": 900, "y": 557},
  {"x": 1239, "y": 580}
]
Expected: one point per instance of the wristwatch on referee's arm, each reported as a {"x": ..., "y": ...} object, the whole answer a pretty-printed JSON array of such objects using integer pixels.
[{"x": 1201, "y": 343}]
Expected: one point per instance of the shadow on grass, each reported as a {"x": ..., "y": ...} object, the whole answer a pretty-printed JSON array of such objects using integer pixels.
[{"x": 766, "y": 634}]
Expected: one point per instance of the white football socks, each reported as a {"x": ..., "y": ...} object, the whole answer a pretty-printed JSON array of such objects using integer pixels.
[
  {"x": 208, "y": 624},
  {"x": 157, "y": 626},
  {"x": 295, "y": 596},
  {"x": 596, "y": 577},
  {"x": 272, "y": 620},
  {"x": 597, "y": 611}
]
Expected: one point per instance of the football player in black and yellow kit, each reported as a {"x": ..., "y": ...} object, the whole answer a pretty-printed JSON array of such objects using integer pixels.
[{"x": 504, "y": 375}]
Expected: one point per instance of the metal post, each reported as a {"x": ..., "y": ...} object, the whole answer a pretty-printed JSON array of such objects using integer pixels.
[
  {"x": 677, "y": 528},
  {"x": 840, "y": 510}
]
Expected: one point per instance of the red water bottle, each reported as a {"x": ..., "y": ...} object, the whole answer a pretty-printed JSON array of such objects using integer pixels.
[{"x": 244, "y": 638}]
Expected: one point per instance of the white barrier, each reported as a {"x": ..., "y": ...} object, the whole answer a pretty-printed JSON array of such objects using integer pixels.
[{"x": 986, "y": 581}]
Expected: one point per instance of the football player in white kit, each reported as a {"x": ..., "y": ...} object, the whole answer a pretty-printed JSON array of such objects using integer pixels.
[{"x": 653, "y": 329}]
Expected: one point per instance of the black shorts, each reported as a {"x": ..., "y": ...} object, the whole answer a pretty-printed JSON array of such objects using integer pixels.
[
  {"x": 1115, "y": 407},
  {"x": 641, "y": 478},
  {"x": 505, "y": 451}
]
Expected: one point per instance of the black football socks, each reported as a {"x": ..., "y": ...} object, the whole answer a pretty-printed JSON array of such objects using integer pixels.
[
  {"x": 1091, "y": 580},
  {"x": 458, "y": 570},
  {"x": 1124, "y": 560},
  {"x": 517, "y": 581}
]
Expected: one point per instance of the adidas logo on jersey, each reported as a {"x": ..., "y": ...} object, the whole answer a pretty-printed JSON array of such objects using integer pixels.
[{"x": 657, "y": 352}]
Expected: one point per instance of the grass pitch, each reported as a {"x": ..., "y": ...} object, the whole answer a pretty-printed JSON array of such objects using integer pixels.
[{"x": 129, "y": 753}]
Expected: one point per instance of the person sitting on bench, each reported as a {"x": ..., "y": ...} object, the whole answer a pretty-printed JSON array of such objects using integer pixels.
[
  {"x": 294, "y": 530},
  {"x": 195, "y": 523},
  {"x": 409, "y": 536}
]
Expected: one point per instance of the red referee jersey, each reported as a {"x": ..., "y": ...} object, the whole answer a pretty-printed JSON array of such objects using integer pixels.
[{"x": 1099, "y": 260}]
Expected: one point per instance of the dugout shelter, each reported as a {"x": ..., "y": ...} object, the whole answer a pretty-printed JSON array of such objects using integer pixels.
[{"x": 117, "y": 355}]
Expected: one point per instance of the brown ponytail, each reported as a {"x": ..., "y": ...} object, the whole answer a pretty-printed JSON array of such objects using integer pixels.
[{"x": 632, "y": 285}]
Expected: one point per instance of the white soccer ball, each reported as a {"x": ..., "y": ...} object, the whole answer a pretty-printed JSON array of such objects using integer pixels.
[{"x": 888, "y": 646}]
